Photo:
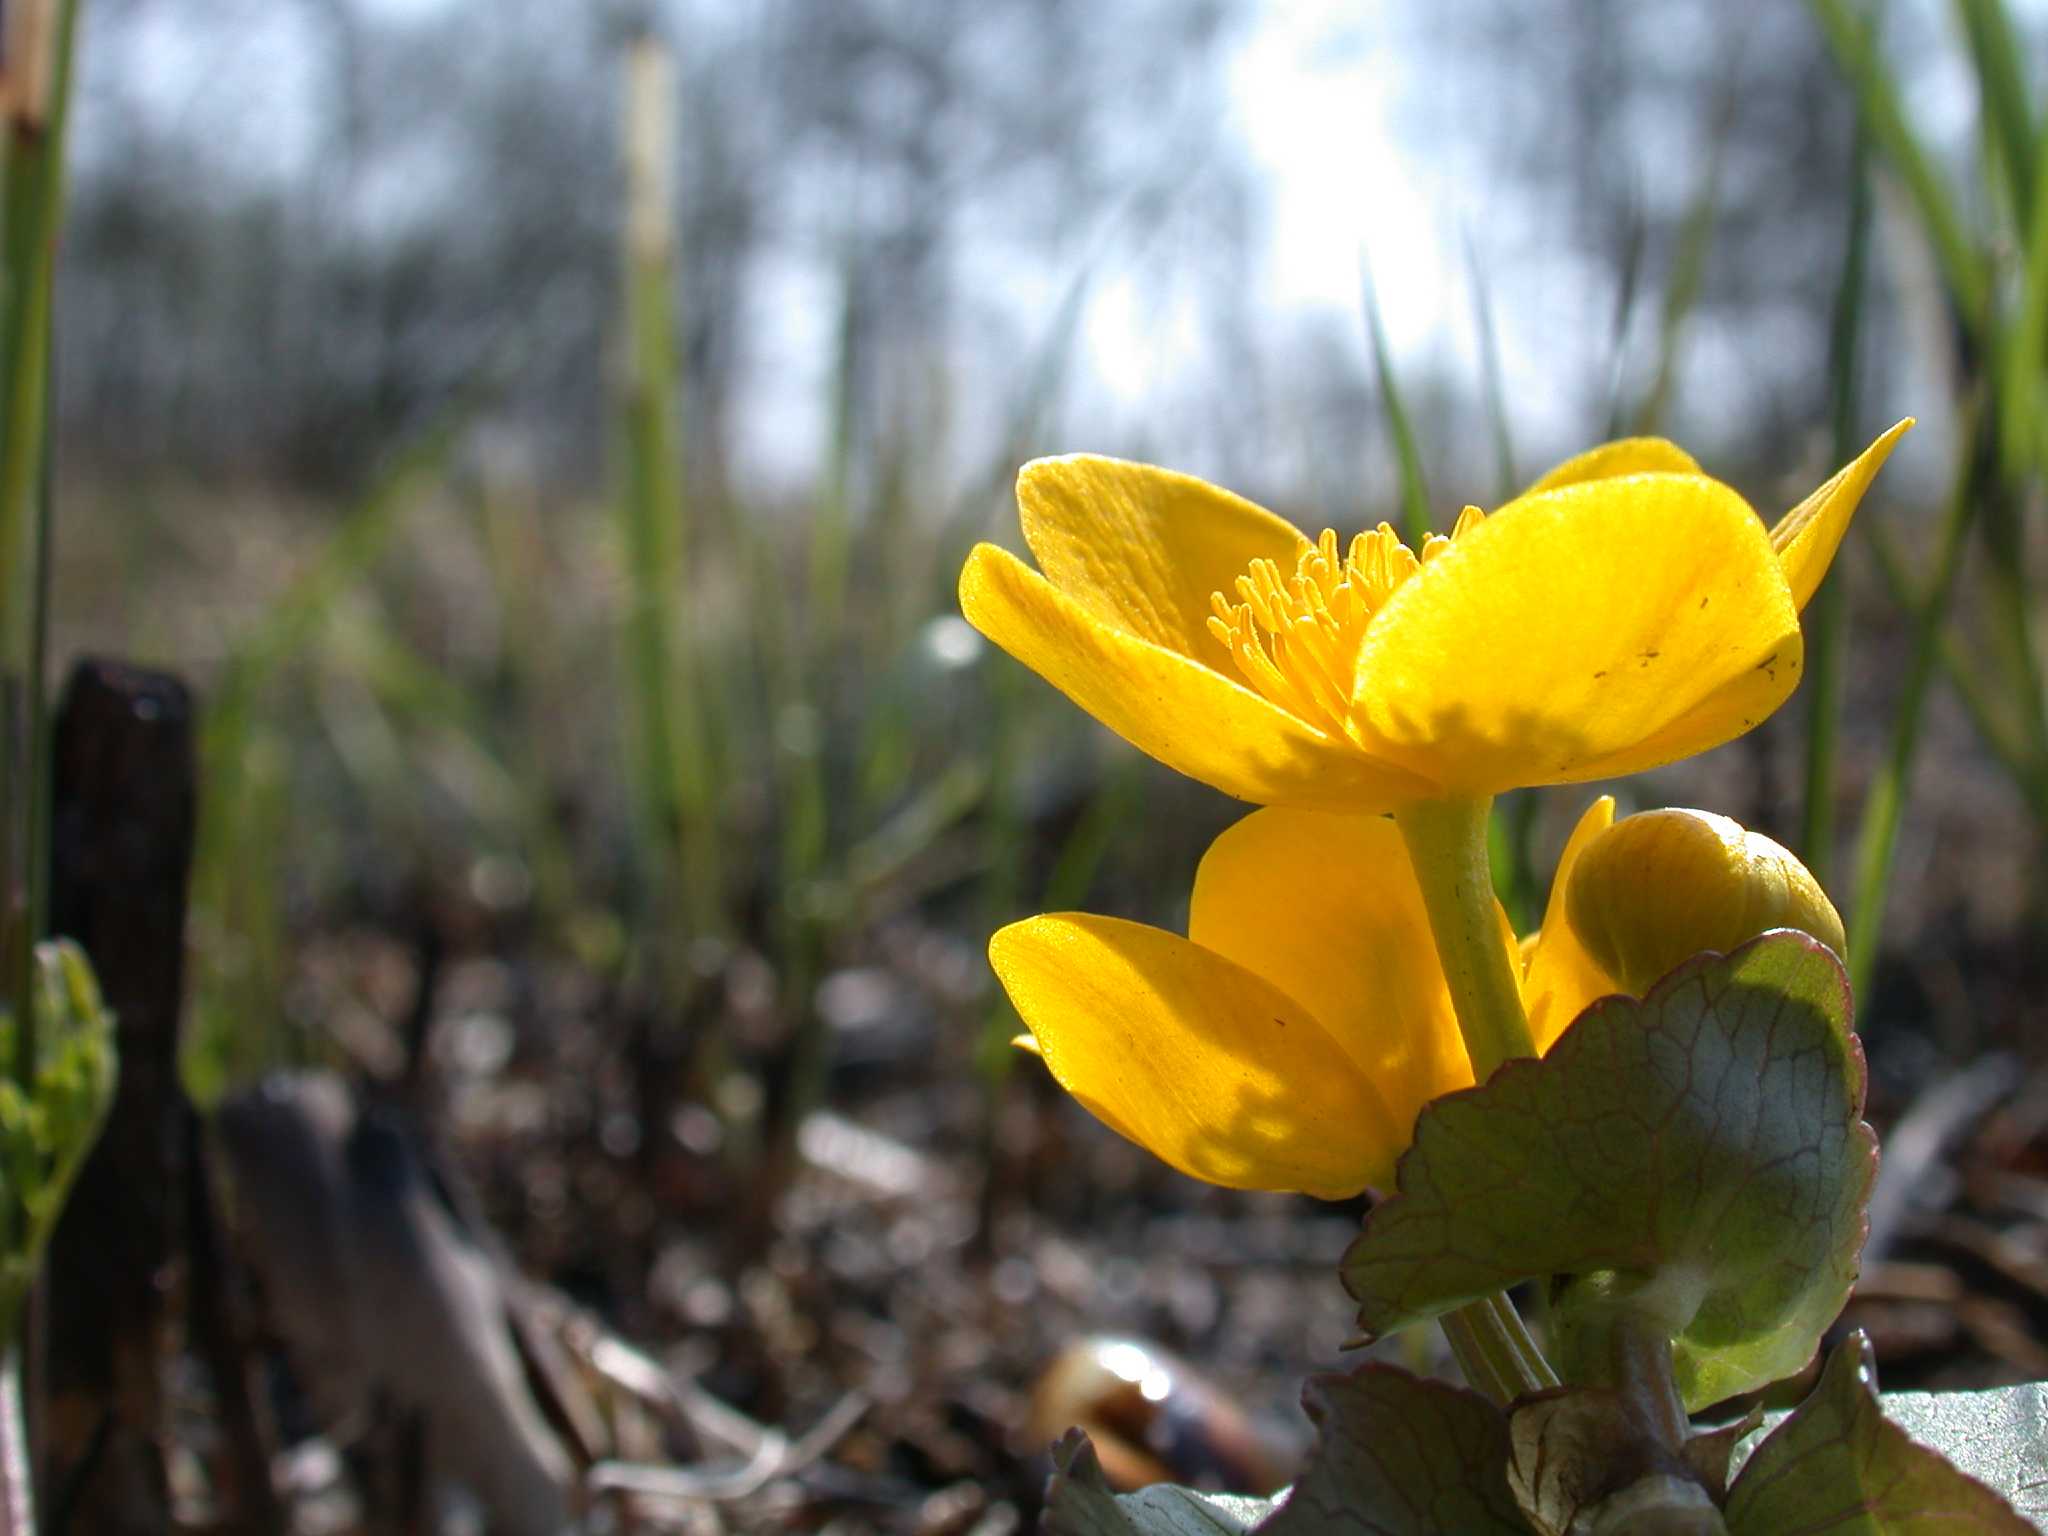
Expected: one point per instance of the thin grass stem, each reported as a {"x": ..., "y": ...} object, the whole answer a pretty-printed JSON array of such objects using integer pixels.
[
  {"x": 1507, "y": 478},
  {"x": 2010, "y": 140},
  {"x": 36, "y": 90},
  {"x": 1852, "y": 33},
  {"x": 1414, "y": 487},
  {"x": 1689, "y": 263},
  {"x": 242, "y": 779},
  {"x": 2028, "y": 773},
  {"x": 673, "y": 774}
]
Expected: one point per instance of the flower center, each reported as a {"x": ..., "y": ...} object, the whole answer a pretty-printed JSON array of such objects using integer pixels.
[{"x": 1296, "y": 638}]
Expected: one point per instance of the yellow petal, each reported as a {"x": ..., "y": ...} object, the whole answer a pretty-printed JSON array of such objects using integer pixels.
[
  {"x": 1560, "y": 978},
  {"x": 1807, "y": 537},
  {"x": 1737, "y": 706},
  {"x": 1327, "y": 909},
  {"x": 1575, "y": 625},
  {"x": 1178, "y": 710},
  {"x": 1142, "y": 548},
  {"x": 1195, "y": 1058},
  {"x": 1625, "y": 456}
]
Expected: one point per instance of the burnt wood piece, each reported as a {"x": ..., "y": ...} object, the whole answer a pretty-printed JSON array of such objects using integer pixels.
[{"x": 122, "y": 810}]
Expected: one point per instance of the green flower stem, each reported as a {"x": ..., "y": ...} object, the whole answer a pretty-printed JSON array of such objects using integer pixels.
[
  {"x": 1499, "y": 1358},
  {"x": 1627, "y": 1349},
  {"x": 1447, "y": 845}
]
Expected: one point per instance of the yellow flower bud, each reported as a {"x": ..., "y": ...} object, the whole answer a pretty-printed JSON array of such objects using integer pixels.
[{"x": 1658, "y": 888}]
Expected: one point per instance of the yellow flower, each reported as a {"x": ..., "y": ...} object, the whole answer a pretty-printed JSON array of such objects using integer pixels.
[
  {"x": 1290, "y": 1040},
  {"x": 1624, "y": 612}
]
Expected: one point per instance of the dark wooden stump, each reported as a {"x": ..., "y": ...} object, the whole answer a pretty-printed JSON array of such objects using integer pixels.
[{"x": 122, "y": 808}]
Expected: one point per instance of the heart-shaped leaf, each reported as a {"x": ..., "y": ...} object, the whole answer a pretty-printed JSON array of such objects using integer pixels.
[
  {"x": 1698, "y": 1157},
  {"x": 1399, "y": 1455},
  {"x": 1838, "y": 1467}
]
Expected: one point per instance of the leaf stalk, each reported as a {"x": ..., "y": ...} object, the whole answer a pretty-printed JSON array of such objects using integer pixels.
[{"x": 1493, "y": 1346}]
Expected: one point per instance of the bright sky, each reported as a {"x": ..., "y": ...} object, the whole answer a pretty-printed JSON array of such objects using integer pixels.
[
  {"x": 1313, "y": 92},
  {"x": 1314, "y": 89},
  {"x": 1320, "y": 95},
  {"x": 1317, "y": 92}
]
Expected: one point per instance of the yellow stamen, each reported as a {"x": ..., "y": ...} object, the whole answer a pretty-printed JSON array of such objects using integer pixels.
[{"x": 1296, "y": 638}]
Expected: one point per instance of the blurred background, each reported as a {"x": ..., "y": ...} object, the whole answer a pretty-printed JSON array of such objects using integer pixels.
[{"x": 545, "y": 435}]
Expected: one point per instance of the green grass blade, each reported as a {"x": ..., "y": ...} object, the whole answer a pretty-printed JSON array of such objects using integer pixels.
[
  {"x": 912, "y": 830},
  {"x": 667, "y": 725},
  {"x": 242, "y": 777},
  {"x": 2006, "y": 118},
  {"x": 1631, "y": 276},
  {"x": 1852, "y": 35},
  {"x": 2013, "y": 363},
  {"x": 2016, "y": 356},
  {"x": 2020, "y": 350},
  {"x": 1827, "y": 616},
  {"x": 538, "y": 679},
  {"x": 1108, "y": 812},
  {"x": 37, "y": 93},
  {"x": 1877, "y": 838},
  {"x": 2008, "y": 602},
  {"x": 831, "y": 520},
  {"x": 1414, "y": 489},
  {"x": 280, "y": 634},
  {"x": 1963, "y": 673},
  {"x": 1689, "y": 265},
  {"x": 1508, "y": 478}
]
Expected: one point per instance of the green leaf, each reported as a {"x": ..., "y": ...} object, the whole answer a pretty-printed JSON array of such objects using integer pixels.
[
  {"x": 1398, "y": 1455},
  {"x": 1079, "y": 1503},
  {"x": 1697, "y": 1158},
  {"x": 44, "y": 1140},
  {"x": 1167, "y": 1509},
  {"x": 1838, "y": 1467}
]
